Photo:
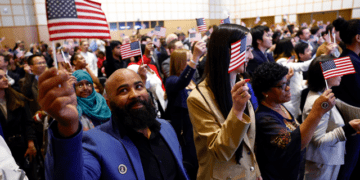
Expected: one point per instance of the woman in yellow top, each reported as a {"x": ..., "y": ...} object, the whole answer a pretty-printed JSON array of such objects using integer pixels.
[{"x": 221, "y": 113}]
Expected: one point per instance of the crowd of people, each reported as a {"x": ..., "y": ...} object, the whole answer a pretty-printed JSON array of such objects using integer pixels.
[{"x": 178, "y": 112}]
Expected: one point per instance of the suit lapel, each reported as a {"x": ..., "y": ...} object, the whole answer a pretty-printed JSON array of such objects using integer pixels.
[{"x": 130, "y": 148}]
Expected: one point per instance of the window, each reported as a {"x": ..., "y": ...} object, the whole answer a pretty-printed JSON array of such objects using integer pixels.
[
  {"x": 113, "y": 26},
  {"x": 161, "y": 23},
  {"x": 138, "y": 25},
  {"x": 122, "y": 26},
  {"x": 153, "y": 24},
  {"x": 130, "y": 25},
  {"x": 146, "y": 24}
]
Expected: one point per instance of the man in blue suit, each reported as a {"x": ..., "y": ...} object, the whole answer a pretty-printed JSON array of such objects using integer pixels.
[
  {"x": 261, "y": 41},
  {"x": 132, "y": 145}
]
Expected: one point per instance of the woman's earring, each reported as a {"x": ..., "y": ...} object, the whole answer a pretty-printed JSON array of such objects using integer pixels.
[{"x": 266, "y": 95}]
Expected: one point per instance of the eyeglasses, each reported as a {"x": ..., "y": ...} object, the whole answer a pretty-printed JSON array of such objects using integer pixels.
[
  {"x": 283, "y": 85},
  {"x": 249, "y": 48},
  {"x": 89, "y": 85},
  {"x": 40, "y": 63}
]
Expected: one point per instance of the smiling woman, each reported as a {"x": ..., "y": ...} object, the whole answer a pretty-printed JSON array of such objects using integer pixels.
[{"x": 91, "y": 105}]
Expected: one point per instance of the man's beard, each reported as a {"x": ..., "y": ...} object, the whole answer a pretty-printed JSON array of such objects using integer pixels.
[{"x": 136, "y": 119}]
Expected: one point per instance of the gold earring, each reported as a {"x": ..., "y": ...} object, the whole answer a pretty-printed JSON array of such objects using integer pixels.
[{"x": 266, "y": 95}]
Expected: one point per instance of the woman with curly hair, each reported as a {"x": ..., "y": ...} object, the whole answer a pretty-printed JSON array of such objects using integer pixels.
[{"x": 280, "y": 139}]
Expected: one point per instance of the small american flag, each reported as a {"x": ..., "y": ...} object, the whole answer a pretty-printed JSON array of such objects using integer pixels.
[
  {"x": 337, "y": 67},
  {"x": 130, "y": 50},
  {"x": 178, "y": 28},
  {"x": 192, "y": 30},
  {"x": 150, "y": 33},
  {"x": 76, "y": 19},
  {"x": 225, "y": 21},
  {"x": 201, "y": 24},
  {"x": 237, "y": 57},
  {"x": 160, "y": 31},
  {"x": 156, "y": 42},
  {"x": 195, "y": 37},
  {"x": 122, "y": 35}
]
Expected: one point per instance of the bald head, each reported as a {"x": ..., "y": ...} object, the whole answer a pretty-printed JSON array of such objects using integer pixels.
[
  {"x": 171, "y": 37},
  {"x": 118, "y": 77},
  {"x": 123, "y": 87}
]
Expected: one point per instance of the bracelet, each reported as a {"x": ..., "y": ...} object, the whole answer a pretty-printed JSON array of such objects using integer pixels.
[{"x": 194, "y": 62}]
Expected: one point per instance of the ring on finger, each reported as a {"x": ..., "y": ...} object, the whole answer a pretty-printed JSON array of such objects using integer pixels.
[{"x": 243, "y": 95}]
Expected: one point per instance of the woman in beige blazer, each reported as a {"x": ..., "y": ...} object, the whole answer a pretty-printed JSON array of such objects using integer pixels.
[{"x": 220, "y": 111}]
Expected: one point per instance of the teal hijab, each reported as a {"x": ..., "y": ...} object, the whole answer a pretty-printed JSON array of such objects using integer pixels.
[{"x": 94, "y": 106}]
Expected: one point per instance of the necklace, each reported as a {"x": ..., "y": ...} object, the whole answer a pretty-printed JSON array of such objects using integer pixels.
[{"x": 277, "y": 108}]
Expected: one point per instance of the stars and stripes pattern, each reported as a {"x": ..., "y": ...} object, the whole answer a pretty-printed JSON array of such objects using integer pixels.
[
  {"x": 150, "y": 33},
  {"x": 130, "y": 50},
  {"x": 192, "y": 30},
  {"x": 237, "y": 57},
  {"x": 337, "y": 67},
  {"x": 76, "y": 19},
  {"x": 201, "y": 24},
  {"x": 156, "y": 42},
  {"x": 195, "y": 37},
  {"x": 225, "y": 21},
  {"x": 160, "y": 31}
]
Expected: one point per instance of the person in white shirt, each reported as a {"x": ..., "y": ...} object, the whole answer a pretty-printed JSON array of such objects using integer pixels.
[
  {"x": 9, "y": 170},
  {"x": 90, "y": 58}
]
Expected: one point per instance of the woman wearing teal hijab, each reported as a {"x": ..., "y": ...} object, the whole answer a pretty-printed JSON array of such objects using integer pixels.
[{"x": 91, "y": 105}]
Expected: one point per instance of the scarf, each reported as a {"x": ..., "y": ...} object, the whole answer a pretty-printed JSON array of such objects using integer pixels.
[{"x": 94, "y": 106}]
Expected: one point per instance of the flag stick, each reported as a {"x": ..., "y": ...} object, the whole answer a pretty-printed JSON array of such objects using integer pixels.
[
  {"x": 54, "y": 55},
  {"x": 142, "y": 61},
  {"x": 327, "y": 87},
  {"x": 66, "y": 60}
]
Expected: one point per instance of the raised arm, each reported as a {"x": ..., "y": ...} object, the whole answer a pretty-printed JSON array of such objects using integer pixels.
[
  {"x": 66, "y": 158},
  {"x": 221, "y": 139}
]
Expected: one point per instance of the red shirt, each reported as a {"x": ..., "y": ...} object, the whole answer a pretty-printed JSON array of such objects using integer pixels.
[{"x": 100, "y": 62}]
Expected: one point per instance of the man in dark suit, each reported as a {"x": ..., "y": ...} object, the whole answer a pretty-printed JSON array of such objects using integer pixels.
[
  {"x": 36, "y": 67},
  {"x": 261, "y": 41}
]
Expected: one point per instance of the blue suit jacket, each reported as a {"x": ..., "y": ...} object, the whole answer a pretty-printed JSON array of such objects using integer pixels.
[
  {"x": 99, "y": 153},
  {"x": 259, "y": 58}
]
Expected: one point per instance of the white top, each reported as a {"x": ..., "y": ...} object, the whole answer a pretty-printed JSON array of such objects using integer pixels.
[
  {"x": 153, "y": 84},
  {"x": 9, "y": 170},
  {"x": 297, "y": 84},
  {"x": 92, "y": 60},
  {"x": 327, "y": 145}
]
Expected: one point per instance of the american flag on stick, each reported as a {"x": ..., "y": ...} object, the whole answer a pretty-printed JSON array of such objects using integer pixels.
[
  {"x": 156, "y": 42},
  {"x": 192, "y": 30},
  {"x": 130, "y": 50},
  {"x": 150, "y": 33},
  {"x": 237, "y": 57},
  {"x": 201, "y": 24},
  {"x": 195, "y": 37},
  {"x": 225, "y": 21},
  {"x": 76, "y": 19},
  {"x": 337, "y": 67},
  {"x": 160, "y": 31}
]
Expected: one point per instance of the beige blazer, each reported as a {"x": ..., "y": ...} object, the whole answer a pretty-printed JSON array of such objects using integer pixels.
[{"x": 217, "y": 139}]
